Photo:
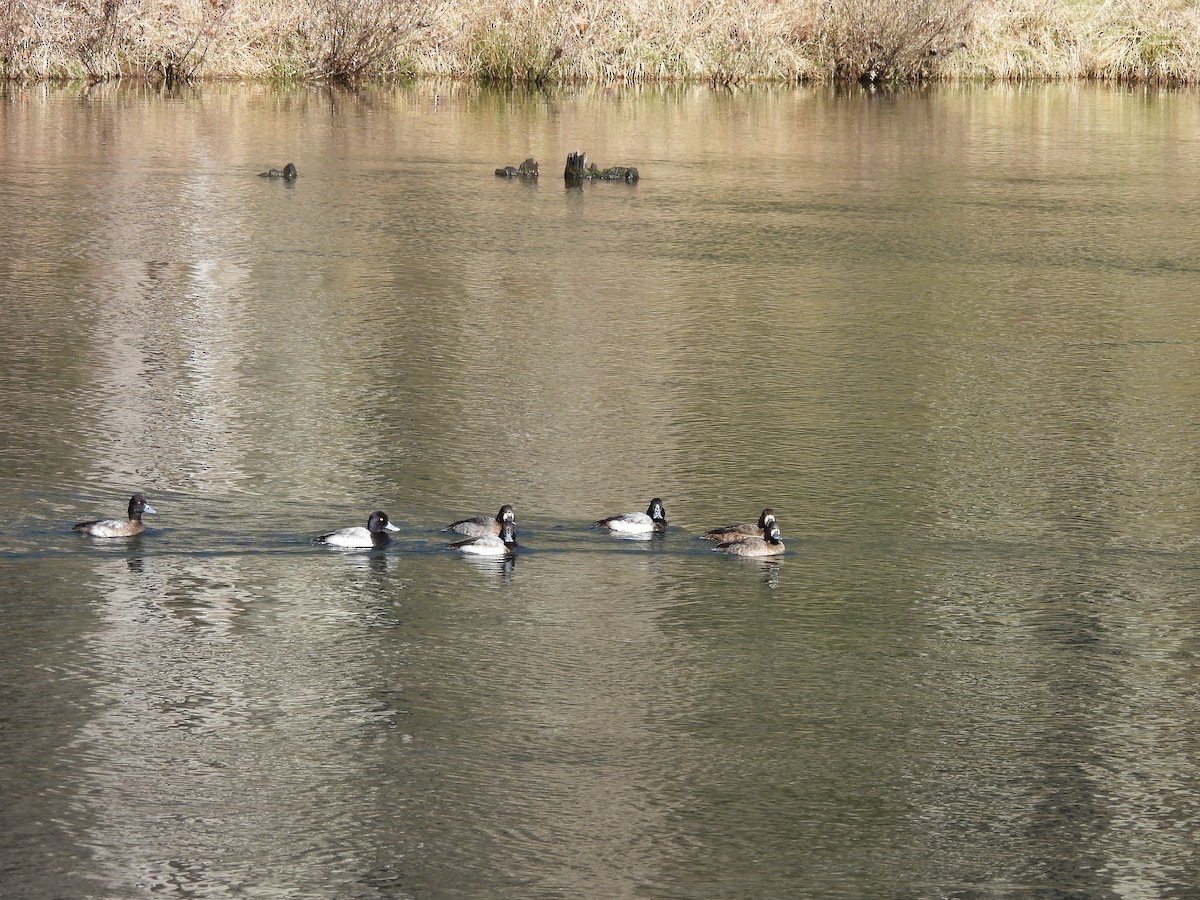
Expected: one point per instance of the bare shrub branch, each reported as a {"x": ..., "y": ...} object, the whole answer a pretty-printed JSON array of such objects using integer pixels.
[
  {"x": 892, "y": 40},
  {"x": 211, "y": 19},
  {"x": 14, "y": 23},
  {"x": 98, "y": 32},
  {"x": 355, "y": 39}
]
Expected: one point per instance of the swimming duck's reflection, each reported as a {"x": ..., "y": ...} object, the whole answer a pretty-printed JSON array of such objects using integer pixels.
[{"x": 493, "y": 565}]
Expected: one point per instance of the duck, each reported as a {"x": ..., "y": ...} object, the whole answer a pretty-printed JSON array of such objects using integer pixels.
[
  {"x": 289, "y": 173},
  {"x": 119, "y": 527},
  {"x": 501, "y": 544},
  {"x": 374, "y": 535},
  {"x": 771, "y": 545},
  {"x": 745, "y": 530},
  {"x": 484, "y": 525},
  {"x": 652, "y": 521}
]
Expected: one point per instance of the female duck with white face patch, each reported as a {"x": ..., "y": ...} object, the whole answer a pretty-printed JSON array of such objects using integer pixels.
[
  {"x": 745, "y": 530},
  {"x": 119, "y": 527},
  {"x": 374, "y": 535},
  {"x": 652, "y": 521},
  {"x": 771, "y": 545},
  {"x": 501, "y": 544}
]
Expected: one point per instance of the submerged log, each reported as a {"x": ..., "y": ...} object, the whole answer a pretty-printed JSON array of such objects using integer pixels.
[
  {"x": 289, "y": 172},
  {"x": 579, "y": 169},
  {"x": 527, "y": 169}
]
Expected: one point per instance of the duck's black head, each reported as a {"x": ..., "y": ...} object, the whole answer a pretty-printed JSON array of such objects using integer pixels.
[
  {"x": 138, "y": 505},
  {"x": 508, "y": 533},
  {"x": 656, "y": 510}
]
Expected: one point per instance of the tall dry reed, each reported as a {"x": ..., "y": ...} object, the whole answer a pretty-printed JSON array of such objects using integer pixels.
[
  {"x": 543, "y": 41},
  {"x": 1144, "y": 40},
  {"x": 1130, "y": 41}
]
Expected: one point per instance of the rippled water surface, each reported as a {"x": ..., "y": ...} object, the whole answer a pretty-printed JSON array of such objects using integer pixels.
[{"x": 950, "y": 337}]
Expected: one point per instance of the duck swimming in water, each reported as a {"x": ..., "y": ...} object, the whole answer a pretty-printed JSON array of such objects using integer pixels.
[
  {"x": 653, "y": 520},
  {"x": 373, "y": 536},
  {"x": 501, "y": 544},
  {"x": 771, "y": 545},
  {"x": 119, "y": 527},
  {"x": 746, "y": 529},
  {"x": 481, "y": 525}
]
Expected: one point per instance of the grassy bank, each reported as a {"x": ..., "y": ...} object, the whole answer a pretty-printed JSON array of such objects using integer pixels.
[{"x": 722, "y": 41}]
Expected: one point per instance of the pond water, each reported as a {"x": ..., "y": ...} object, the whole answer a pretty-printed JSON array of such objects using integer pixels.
[{"x": 950, "y": 336}]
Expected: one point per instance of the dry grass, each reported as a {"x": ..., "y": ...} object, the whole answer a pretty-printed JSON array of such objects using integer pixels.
[
  {"x": 540, "y": 41},
  {"x": 1118, "y": 40},
  {"x": 1145, "y": 40}
]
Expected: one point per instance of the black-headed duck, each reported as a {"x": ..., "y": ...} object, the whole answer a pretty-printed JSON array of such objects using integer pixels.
[
  {"x": 483, "y": 525},
  {"x": 374, "y": 535},
  {"x": 653, "y": 520},
  {"x": 119, "y": 527}
]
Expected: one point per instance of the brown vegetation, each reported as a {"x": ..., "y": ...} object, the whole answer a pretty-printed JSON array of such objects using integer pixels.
[{"x": 540, "y": 41}]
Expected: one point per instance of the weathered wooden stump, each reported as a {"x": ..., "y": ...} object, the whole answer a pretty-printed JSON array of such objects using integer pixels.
[{"x": 579, "y": 169}]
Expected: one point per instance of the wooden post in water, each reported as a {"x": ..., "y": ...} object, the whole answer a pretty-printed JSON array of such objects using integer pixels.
[{"x": 578, "y": 169}]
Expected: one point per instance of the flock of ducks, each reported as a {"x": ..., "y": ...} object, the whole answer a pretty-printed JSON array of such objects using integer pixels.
[{"x": 496, "y": 536}]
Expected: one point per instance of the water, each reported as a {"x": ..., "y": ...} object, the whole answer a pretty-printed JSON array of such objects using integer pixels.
[{"x": 950, "y": 337}]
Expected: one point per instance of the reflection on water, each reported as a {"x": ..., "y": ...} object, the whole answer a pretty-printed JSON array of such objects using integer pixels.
[
  {"x": 492, "y": 565},
  {"x": 767, "y": 569},
  {"x": 650, "y": 538},
  {"x": 948, "y": 336}
]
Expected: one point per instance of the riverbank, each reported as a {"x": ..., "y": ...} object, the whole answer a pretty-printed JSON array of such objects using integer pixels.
[{"x": 722, "y": 41}]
